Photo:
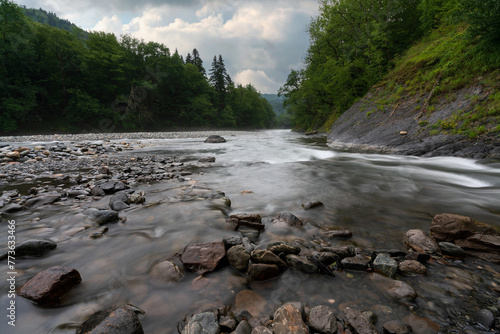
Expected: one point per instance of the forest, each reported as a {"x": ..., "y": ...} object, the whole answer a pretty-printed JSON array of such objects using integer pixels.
[
  {"x": 355, "y": 43},
  {"x": 65, "y": 80}
]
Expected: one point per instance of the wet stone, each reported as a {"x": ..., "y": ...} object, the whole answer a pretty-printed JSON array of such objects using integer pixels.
[
  {"x": 50, "y": 285},
  {"x": 202, "y": 323},
  {"x": 268, "y": 257},
  {"x": 238, "y": 257},
  {"x": 419, "y": 241},
  {"x": 397, "y": 289},
  {"x": 114, "y": 320},
  {"x": 484, "y": 319},
  {"x": 261, "y": 330},
  {"x": 342, "y": 251},
  {"x": 262, "y": 272},
  {"x": 412, "y": 267},
  {"x": 166, "y": 272},
  {"x": 311, "y": 205},
  {"x": 396, "y": 327},
  {"x": 327, "y": 233},
  {"x": 287, "y": 219},
  {"x": 227, "y": 323},
  {"x": 452, "y": 250},
  {"x": 243, "y": 328},
  {"x": 359, "y": 322},
  {"x": 102, "y": 217},
  {"x": 288, "y": 320},
  {"x": 359, "y": 262},
  {"x": 385, "y": 265},
  {"x": 215, "y": 139},
  {"x": 203, "y": 257},
  {"x": 322, "y": 319},
  {"x": 301, "y": 263},
  {"x": 279, "y": 247}
]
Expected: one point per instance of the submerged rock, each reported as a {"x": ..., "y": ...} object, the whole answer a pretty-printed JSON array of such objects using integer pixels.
[
  {"x": 262, "y": 272},
  {"x": 203, "y": 257},
  {"x": 50, "y": 285},
  {"x": 114, "y": 320},
  {"x": 33, "y": 247},
  {"x": 102, "y": 217},
  {"x": 166, "y": 272}
]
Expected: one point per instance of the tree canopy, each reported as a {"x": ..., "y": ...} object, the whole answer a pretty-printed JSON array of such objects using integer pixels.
[{"x": 57, "y": 80}]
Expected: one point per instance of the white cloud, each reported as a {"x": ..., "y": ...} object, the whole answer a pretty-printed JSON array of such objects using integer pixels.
[
  {"x": 259, "y": 79},
  {"x": 110, "y": 24}
]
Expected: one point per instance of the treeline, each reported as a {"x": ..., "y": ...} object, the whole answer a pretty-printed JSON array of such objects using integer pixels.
[
  {"x": 354, "y": 43},
  {"x": 49, "y": 18},
  {"x": 53, "y": 80}
]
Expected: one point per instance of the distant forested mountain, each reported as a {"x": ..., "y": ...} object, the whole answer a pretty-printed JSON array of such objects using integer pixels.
[{"x": 284, "y": 119}]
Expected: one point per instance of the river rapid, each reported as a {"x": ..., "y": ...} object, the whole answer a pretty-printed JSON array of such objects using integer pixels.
[{"x": 377, "y": 197}]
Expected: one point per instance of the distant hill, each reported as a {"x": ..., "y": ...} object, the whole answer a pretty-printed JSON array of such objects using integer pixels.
[
  {"x": 49, "y": 18},
  {"x": 284, "y": 118}
]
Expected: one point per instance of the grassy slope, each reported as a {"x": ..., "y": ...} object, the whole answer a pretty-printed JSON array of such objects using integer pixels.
[{"x": 433, "y": 71}]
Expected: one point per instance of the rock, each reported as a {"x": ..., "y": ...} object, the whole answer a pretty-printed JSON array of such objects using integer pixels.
[
  {"x": 13, "y": 207},
  {"x": 322, "y": 319},
  {"x": 419, "y": 241},
  {"x": 412, "y": 267},
  {"x": 102, "y": 217},
  {"x": 203, "y": 257},
  {"x": 485, "y": 247},
  {"x": 77, "y": 192},
  {"x": 215, "y": 139},
  {"x": 119, "y": 206},
  {"x": 232, "y": 240},
  {"x": 449, "y": 227},
  {"x": 238, "y": 257},
  {"x": 202, "y": 323},
  {"x": 288, "y": 320},
  {"x": 311, "y": 205},
  {"x": 484, "y": 319},
  {"x": 13, "y": 155},
  {"x": 243, "y": 328},
  {"x": 252, "y": 221},
  {"x": 279, "y": 247},
  {"x": 33, "y": 247},
  {"x": 301, "y": 263},
  {"x": 359, "y": 322},
  {"x": 137, "y": 198},
  {"x": 97, "y": 191},
  {"x": 342, "y": 251},
  {"x": 42, "y": 200},
  {"x": 209, "y": 159},
  {"x": 112, "y": 187},
  {"x": 336, "y": 233},
  {"x": 120, "y": 196},
  {"x": 311, "y": 133},
  {"x": 251, "y": 301},
  {"x": 113, "y": 320},
  {"x": 385, "y": 265},
  {"x": 396, "y": 327},
  {"x": 359, "y": 262},
  {"x": 452, "y": 250},
  {"x": 267, "y": 257},
  {"x": 421, "y": 325},
  {"x": 50, "y": 285},
  {"x": 262, "y": 272},
  {"x": 395, "y": 288},
  {"x": 261, "y": 330},
  {"x": 166, "y": 272},
  {"x": 227, "y": 323},
  {"x": 288, "y": 219}
]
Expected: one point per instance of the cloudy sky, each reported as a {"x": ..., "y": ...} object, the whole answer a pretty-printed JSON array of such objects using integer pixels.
[{"x": 259, "y": 40}]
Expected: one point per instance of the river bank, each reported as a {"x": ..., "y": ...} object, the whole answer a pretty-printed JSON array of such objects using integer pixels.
[{"x": 248, "y": 198}]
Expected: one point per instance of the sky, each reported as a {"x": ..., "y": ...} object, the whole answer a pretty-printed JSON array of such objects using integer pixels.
[{"x": 261, "y": 41}]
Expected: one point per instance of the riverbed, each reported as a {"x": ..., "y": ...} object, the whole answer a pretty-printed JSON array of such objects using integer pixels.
[{"x": 377, "y": 197}]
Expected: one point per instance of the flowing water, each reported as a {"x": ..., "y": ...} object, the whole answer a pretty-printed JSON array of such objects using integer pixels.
[{"x": 377, "y": 197}]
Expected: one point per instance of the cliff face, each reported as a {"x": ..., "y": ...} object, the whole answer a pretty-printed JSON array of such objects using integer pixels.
[{"x": 402, "y": 128}]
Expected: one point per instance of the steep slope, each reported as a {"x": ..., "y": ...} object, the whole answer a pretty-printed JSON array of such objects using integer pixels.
[{"x": 442, "y": 98}]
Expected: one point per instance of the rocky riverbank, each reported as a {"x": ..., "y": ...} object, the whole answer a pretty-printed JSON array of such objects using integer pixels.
[
  {"x": 412, "y": 289},
  {"x": 403, "y": 128}
]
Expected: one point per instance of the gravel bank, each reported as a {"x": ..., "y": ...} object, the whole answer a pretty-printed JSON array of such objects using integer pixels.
[{"x": 118, "y": 136}]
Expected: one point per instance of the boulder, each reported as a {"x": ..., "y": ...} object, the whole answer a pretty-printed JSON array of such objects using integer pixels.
[
  {"x": 452, "y": 250},
  {"x": 50, "y": 285},
  {"x": 412, "y": 267},
  {"x": 359, "y": 322},
  {"x": 203, "y": 257},
  {"x": 328, "y": 233},
  {"x": 34, "y": 247},
  {"x": 238, "y": 257},
  {"x": 202, "y": 323},
  {"x": 476, "y": 239},
  {"x": 279, "y": 247},
  {"x": 102, "y": 217},
  {"x": 385, "y": 265},
  {"x": 288, "y": 219},
  {"x": 359, "y": 262},
  {"x": 484, "y": 319},
  {"x": 322, "y": 319},
  {"x": 395, "y": 288},
  {"x": 113, "y": 320},
  {"x": 311, "y": 205},
  {"x": 262, "y": 272},
  {"x": 12, "y": 207},
  {"x": 166, "y": 272},
  {"x": 301, "y": 263},
  {"x": 419, "y": 241},
  {"x": 253, "y": 221},
  {"x": 288, "y": 320},
  {"x": 214, "y": 139},
  {"x": 268, "y": 257},
  {"x": 42, "y": 200}
]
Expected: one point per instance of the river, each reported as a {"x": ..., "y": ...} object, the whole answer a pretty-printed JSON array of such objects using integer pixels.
[{"x": 377, "y": 197}]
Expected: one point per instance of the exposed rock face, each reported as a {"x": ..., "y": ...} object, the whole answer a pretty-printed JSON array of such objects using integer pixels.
[
  {"x": 114, "y": 320},
  {"x": 203, "y": 257},
  {"x": 49, "y": 286},
  {"x": 288, "y": 320},
  {"x": 476, "y": 239},
  {"x": 419, "y": 241},
  {"x": 214, "y": 139}
]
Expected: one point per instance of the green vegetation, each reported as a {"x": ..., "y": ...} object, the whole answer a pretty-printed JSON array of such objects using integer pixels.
[
  {"x": 57, "y": 80},
  {"x": 420, "y": 50}
]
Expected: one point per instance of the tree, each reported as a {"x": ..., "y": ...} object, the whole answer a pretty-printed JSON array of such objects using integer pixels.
[
  {"x": 221, "y": 81},
  {"x": 198, "y": 62}
]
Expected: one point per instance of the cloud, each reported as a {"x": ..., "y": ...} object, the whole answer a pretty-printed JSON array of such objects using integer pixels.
[
  {"x": 259, "y": 79},
  {"x": 258, "y": 39}
]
